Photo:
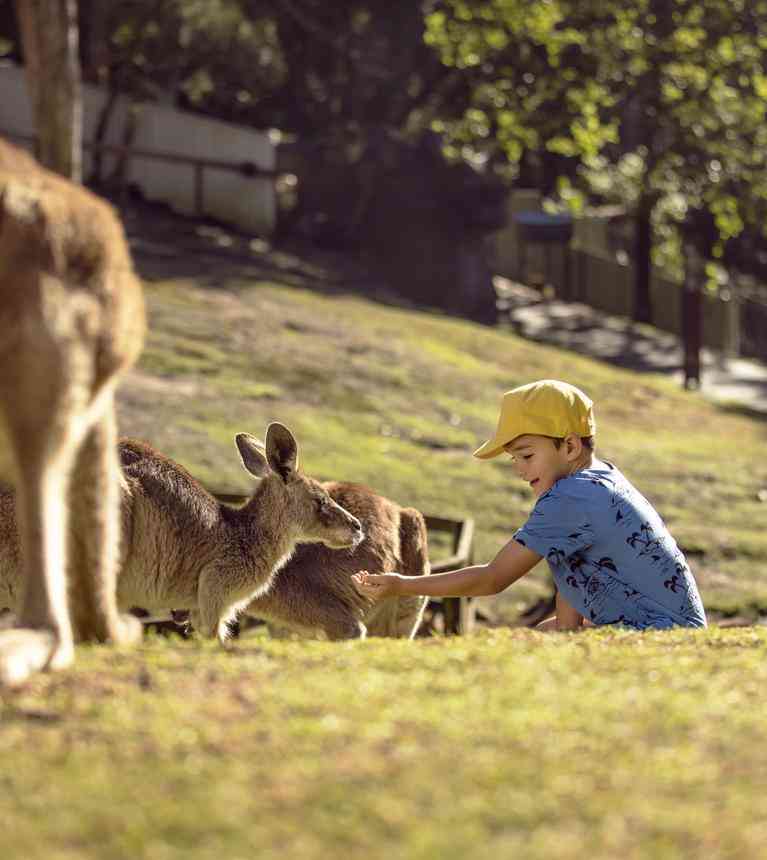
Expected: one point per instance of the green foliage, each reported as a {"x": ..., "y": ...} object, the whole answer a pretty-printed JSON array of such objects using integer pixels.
[
  {"x": 208, "y": 53},
  {"x": 673, "y": 91}
]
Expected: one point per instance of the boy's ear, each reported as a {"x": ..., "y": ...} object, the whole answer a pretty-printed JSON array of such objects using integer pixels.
[{"x": 573, "y": 446}]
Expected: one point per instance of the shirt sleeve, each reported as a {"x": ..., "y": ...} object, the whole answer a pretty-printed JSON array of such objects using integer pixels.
[{"x": 559, "y": 525}]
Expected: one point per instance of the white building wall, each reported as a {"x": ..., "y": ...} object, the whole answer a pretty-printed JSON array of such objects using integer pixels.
[{"x": 247, "y": 203}]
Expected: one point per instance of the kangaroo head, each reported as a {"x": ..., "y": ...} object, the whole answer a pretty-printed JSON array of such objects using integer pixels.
[{"x": 315, "y": 515}]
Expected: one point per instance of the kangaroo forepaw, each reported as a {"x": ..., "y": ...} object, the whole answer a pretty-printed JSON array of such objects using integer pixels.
[
  {"x": 351, "y": 629},
  {"x": 210, "y": 626},
  {"x": 24, "y": 652}
]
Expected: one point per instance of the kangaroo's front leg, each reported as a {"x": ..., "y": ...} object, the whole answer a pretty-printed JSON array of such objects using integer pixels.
[
  {"x": 219, "y": 601},
  {"x": 210, "y": 617}
]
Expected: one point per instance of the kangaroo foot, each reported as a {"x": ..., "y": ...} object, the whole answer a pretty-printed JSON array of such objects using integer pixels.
[
  {"x": 23, "y": 652},
  {"x": 351, "y": 629},
  {"x": 207, "y": 627},
  {"x": 129, "y": 630}
]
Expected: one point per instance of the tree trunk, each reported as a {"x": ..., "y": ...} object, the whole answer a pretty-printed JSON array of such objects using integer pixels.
[
  {"x": 100, "y": 135},
  {"x": 642, "y": 266},
  {"x": 692, "y": 319},
  {"x": 50, "y": 43}
]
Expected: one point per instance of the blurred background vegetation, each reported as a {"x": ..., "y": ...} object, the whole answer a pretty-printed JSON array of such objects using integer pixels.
[{"x": 658, "y": 105}]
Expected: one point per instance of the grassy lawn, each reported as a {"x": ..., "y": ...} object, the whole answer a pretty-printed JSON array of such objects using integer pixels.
[{"x": 505, "y": 743}]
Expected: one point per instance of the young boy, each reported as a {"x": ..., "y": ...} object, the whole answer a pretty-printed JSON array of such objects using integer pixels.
[{"x": 612, "y": 558}]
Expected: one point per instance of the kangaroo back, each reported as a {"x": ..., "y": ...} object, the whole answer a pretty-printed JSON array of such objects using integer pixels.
[
  {"x": 173, "y": 490},
  {"x": 401, "y": 616},
  {"x": 414, "y": 543}
]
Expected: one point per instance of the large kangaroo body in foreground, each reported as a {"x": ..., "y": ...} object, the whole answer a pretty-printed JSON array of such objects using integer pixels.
[
  {"x": 71, "y": 322},
  {"x": 314, "y": 590},
  {"x": 184, "y": 550}
]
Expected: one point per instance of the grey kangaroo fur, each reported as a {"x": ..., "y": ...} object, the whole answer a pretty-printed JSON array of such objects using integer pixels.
[
  {"x": 314, "y": 591},
  {"x": 189, "y": 551},
  {"x": 182, "y": 549},
  {"x": 71, "y": 323}
]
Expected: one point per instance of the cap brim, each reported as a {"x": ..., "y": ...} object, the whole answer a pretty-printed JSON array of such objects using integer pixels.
[{"x": 490, "y": 449}]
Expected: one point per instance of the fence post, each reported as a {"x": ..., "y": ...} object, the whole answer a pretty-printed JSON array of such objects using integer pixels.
[
  {"x": 694, "y": 267},
  {"x": 198, "y": 189},
  {"x": 732, "y": 309}
]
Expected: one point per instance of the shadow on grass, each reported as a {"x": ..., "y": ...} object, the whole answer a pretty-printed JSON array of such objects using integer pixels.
[
  {"x": 13, "y": 714},
  {"x": 738, "y": 386},
  {"x": 167, "y": 246},
  {"x": 741, "y": 409},
  {"x": 619, "y": 345}
]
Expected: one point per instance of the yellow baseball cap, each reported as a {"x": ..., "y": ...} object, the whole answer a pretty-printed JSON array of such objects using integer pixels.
[{"x": 544, "y": 408}]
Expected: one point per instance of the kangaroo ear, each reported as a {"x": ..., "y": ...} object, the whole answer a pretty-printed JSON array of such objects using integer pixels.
[
  {"x": 253, "y": 455},
  {"x": 281, "y": 450}
]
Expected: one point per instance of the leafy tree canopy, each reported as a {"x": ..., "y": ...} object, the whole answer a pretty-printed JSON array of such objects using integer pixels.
[{"x": 659, "y": 103}]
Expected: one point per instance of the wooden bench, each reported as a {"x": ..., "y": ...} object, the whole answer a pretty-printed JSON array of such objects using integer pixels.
[{"x": 458, "y": 612}]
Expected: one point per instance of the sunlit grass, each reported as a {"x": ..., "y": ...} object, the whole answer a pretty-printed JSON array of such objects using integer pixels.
[{"x": 504, "y": 743}]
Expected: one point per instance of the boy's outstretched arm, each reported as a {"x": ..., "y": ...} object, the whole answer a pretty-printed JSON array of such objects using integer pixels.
[{"x": 511, "y": 563}]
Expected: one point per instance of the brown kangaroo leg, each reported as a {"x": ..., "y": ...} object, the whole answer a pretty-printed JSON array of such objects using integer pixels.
[
  {"x": 95, "y": 528},
  {"x": 43, "y": 637}
]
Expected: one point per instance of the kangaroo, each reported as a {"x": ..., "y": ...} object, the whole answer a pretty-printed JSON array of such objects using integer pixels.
[
  {"x": 314, "y": 590},
  {"x": 185, "y": 550},
  {"x": 71, "y": 323}
]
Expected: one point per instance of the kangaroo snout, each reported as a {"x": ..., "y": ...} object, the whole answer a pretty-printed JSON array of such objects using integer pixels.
[
  {"x": 359, "y": 532},
  {"x": 348, "y": 534}
]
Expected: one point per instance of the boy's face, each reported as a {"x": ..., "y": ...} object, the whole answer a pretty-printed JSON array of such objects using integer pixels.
[{"x": 538, "y": 461}]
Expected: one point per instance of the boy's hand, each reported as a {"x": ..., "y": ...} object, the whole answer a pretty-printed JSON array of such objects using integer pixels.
[{"x": 374, "y": 586}]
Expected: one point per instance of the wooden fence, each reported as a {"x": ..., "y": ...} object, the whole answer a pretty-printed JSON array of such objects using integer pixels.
[{"x": 199, "y": 166}]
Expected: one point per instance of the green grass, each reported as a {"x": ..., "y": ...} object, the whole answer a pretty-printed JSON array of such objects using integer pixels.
[
  {"x": 501, "y": 744},
  {"x": 399, "y": 399}
]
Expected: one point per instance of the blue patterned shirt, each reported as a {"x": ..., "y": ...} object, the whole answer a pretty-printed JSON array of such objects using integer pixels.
[{"x": 610, "y": 553}]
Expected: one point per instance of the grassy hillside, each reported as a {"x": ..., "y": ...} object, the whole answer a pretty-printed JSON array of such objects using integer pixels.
[{"x": 399, "y": 399}]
